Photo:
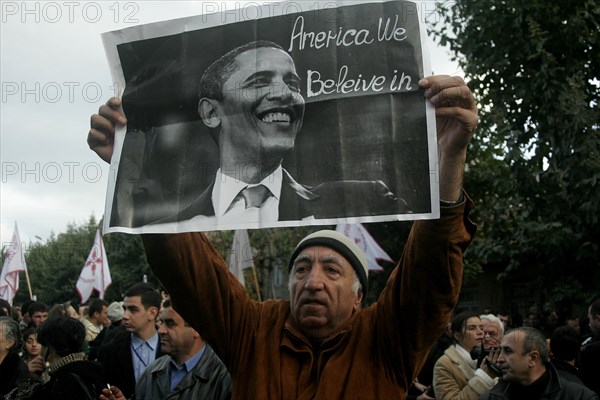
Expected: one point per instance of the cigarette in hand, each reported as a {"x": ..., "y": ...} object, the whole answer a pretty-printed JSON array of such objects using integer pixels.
[{"x": 109, "y": 388}]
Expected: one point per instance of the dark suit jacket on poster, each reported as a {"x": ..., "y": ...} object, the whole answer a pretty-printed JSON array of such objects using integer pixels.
[
  {"x": 115, "y": 356},
  {"x": 327, "y": 200}
]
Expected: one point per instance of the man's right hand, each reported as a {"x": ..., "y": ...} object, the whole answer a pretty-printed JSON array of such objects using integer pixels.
[
  {"x": 112, "y": 393},
  {"x": 101, "y": 137}
]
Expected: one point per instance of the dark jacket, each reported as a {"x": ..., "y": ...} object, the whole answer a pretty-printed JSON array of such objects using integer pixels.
[
  {"x": 12, "y": 370},
  {"x": 556, "y": 389},
  {"x": 567, "y": 371},
  {"x": 208, "y": 380},
  {"x": 115, "y": 356},
  {"x": 79, "y": 380},
  {"x": 375, "y": 355},
  {"x": 589, "y": 365}
]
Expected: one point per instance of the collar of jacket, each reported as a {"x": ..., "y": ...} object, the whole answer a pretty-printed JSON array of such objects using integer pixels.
[
  {"x": 296, "y": 340},
  {"x": 459, "y": 360},
  {"x": 162, "y": 365},
  {"x": 552, "y": 387}
]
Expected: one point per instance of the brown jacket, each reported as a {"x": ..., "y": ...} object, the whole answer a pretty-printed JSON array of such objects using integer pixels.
[{"x": 375, "y": 356}]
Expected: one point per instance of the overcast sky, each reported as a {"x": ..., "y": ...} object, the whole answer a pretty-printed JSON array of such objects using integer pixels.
[{"x": 54, "y": 75}]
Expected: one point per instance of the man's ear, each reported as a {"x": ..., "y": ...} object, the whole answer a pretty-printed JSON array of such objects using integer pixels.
[
  {"x": 535, "y": 357},
  {"x": 207, "y": 108},
  {"x": 153, "y": 311},
  {"x": 358, "y": 300},
  {"x": 9, "y": 343}
]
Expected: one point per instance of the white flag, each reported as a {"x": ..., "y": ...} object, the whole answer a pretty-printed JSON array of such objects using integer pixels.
[
  {"x": 366, "y": 243},
  {"x": 14, "y": 262},
  {"x": 240, "y": 256},
  {"x": 95, "y": 273}
]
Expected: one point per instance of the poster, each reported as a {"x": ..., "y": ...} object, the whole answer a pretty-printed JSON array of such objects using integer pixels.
[{"x": 292, "y": 113}]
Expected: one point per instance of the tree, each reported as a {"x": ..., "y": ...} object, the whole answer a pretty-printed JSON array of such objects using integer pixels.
[
  {"x": 54, "y": 266},
  {"x": 535, "y": 163}
]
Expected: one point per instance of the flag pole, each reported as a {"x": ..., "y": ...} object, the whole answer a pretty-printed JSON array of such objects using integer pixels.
[
  {"x": 256, "y": 282},
  {"x": 255, "y": 275},
  {"x": 28, "y": 285}
]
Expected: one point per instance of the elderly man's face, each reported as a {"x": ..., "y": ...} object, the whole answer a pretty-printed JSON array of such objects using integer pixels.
[
  {"x": 515, "y": 366},
  {"x": 322, "y": 297},
  {"x": 491, "y": 332},
  {"x": 263, "y": 107}
]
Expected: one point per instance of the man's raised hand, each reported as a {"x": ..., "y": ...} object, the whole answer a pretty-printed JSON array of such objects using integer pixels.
[{"x": 101, "y": 137}]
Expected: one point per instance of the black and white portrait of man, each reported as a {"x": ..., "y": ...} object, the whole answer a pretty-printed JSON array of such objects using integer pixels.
[{"x": 258, "y": 152}]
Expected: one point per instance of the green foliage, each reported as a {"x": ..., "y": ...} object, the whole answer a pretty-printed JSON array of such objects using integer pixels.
[
  {"x": 127, "y": 261},
  {"x": 54, "y": 266},
  {"x": 535, "y": 163}
]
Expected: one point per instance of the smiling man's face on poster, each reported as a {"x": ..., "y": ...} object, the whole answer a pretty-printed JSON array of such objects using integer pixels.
[{"x": 262, "y": 107}]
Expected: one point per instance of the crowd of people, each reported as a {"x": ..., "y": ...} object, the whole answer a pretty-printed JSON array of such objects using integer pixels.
[
  {"x": 137, "y": 348},
  {"x": 481, "y": 356},
  {"x": 141, "y": 348}
]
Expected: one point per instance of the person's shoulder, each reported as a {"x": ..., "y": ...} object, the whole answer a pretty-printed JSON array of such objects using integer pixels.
[
  {"x": 566, "y": 371},
  {"x": 118, "y": 339},
  {"x": 201, "y": 206},
  {"x": 158, "y": 364},
  {"x": 367, "y": 198},
  {"x": 576, "y": 391},
  {"x": 13, "y": 368},
  {"x": 497, "y": 391},
  {"x": 79, "y": 380},
  {"x": 444, "y": 361},
  {"x": 87, "y": 369},
  {"x": 593, "y": 346}
]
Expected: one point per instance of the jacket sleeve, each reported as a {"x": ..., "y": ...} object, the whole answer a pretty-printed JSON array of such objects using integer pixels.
[
  {"x": 203, "y": 290},
  {"x": 417, "y": 302}
]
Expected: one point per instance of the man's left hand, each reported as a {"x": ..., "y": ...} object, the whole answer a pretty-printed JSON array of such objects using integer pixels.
[{"x": 456, "y": 119}]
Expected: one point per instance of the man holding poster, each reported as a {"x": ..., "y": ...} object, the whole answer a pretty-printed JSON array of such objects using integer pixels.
[
  {"x": 321, "y": 344},
  {"x": 367, "y": 113}
]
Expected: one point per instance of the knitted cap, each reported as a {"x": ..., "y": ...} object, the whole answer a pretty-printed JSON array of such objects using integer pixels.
[
  {"x": 115, "y": 311},
  {"x": 343, "y": 245}
]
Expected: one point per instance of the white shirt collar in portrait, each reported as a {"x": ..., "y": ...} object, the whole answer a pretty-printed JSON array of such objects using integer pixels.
[{"x": 228, "y": 206}]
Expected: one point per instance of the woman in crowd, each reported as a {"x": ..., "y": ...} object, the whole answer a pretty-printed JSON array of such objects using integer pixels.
[
  {"x": 71, "y": 376},
  {"x": 12, "y": 368},
  {"x": 31, "y": 347},
  {"x": 455, "y": 375}
]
